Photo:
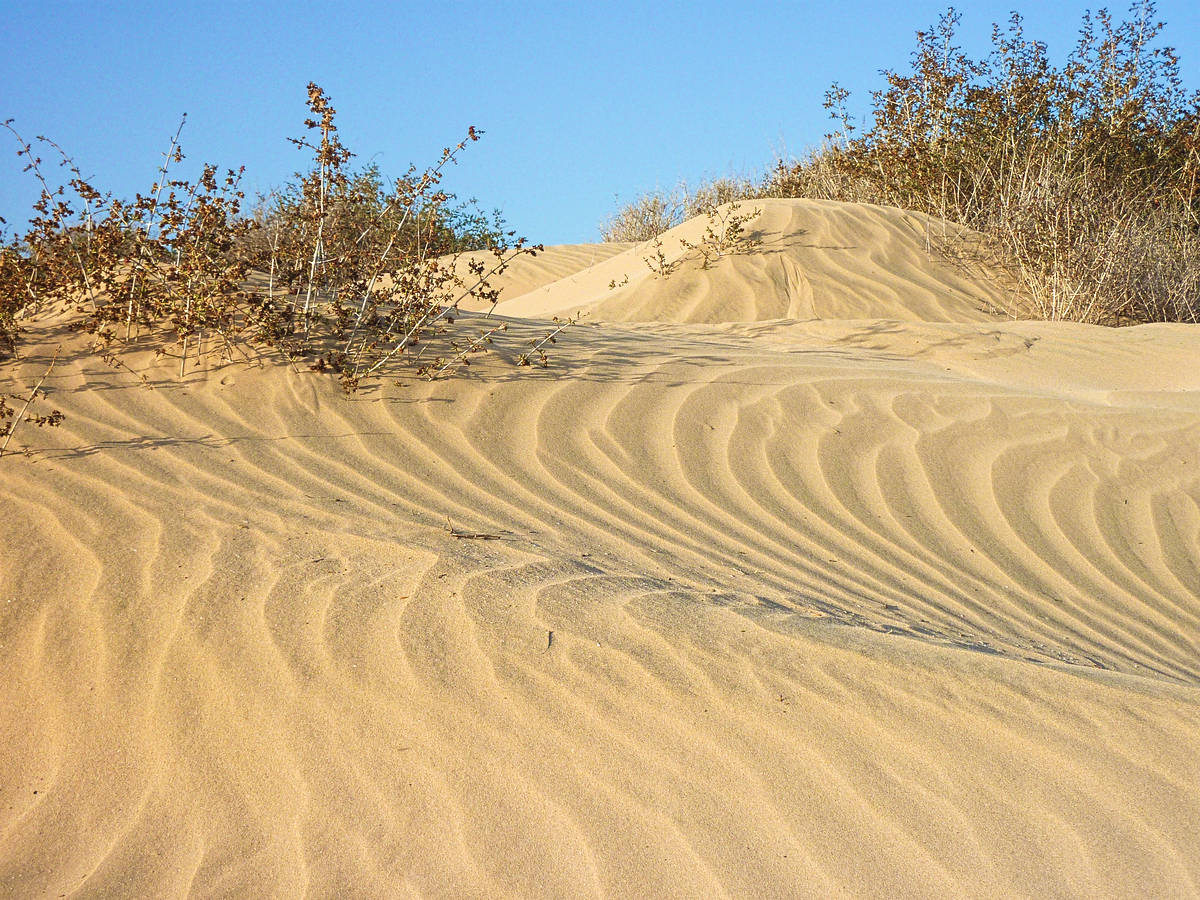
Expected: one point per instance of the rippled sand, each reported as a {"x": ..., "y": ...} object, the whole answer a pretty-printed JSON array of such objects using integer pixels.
[{"x": 806, "y": 574}]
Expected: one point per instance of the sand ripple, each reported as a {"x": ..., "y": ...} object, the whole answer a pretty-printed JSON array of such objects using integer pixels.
[{"x": 769, "y": 608}]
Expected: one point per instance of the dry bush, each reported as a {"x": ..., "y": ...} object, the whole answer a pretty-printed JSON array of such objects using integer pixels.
[
  {"x": 15, "y": 298},
  {"x": 1084, "y": 179},
  {"x": 819, "y": 176},
  {"x": 724, "y": 231},
  {"x": 724, "y": 234},
  {"x": 657, "y": 262},
  {"x": 708, "y": 195},
  {"x": 163, "y": 264},
  {"x": 649, "y": 215},
  {"x": 645, "y": 218},
  {"x": 358, "y": 276},
  {"x": 10, "y": 418},
  {"x": 334, "y": 270}
]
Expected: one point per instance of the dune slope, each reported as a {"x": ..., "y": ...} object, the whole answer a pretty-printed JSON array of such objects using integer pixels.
[
  {"x": 791, "y": 605},
  {"x": 809, "y": 259}
]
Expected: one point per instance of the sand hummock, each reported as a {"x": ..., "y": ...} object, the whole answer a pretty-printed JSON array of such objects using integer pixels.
[{"x": 807, "y": 574}]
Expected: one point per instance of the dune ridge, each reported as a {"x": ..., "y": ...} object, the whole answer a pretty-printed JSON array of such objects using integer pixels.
[
  {"x": 900, "y": 597},
  {"x": 526, "y": 272},
  {"x": 811, "y": 259}
]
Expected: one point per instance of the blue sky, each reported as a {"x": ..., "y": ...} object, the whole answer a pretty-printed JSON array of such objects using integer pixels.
[{"x": 584, "y": 105}]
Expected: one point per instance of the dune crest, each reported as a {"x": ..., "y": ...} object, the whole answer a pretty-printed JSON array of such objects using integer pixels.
[
  {"x": 813, "y": 259},
  {"x": 528, "y": 272},
  {"x": 802, "y": 575}
]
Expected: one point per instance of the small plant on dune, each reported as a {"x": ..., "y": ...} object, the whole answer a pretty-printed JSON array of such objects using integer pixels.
[
  {"x": 538, "y": 345},
  {"x": 1083, "y": 179},
  {"x": 336, "y": 270},
  {"x": 719, "y": 201},
  {"x": 10, "y": 418},
  {"x": 724, "y": 233},
  {"x": 657, "y": 261}
]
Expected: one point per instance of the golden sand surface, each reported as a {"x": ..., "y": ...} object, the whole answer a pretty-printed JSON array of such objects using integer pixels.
[{"x": 806, "y": 574}]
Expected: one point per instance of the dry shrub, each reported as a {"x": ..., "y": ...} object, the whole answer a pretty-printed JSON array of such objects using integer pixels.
[
  {"x": 724, "y": 235},
  {"x": 724, "y": 231},
  {"x": 14, "y": 298},
  {"x": 652, "y": 213},
  {"x": 10, "y": 418},
  {"x": 163, "y": 262},
  {"x": 1084, "y": 179},
  {"x": 819, "y": 176},
  {"x": 335, "y": 270},
  {"x": 359, "y": 275},
  {"x": 708, "y": 195},
  {"x": 645, "y": 218}
]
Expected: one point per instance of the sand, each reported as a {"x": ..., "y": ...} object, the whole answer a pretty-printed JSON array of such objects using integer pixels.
[{"x": 804, "y": 575}]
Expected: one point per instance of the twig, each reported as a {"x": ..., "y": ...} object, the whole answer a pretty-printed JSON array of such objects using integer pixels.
[
  {"x": 471, "y": 535},
  {"x": 29, "y": 402}
]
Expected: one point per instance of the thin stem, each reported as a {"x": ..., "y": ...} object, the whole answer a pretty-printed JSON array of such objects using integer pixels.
[{"x": 29, "y": 402}]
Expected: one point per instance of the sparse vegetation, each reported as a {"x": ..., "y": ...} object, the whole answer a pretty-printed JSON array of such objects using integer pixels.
[
  {"x": 657, "y": 261},
  {"x": 724, "y": 232},
  {"x": 10, "y": 418},
  {"x": 1082, "y": 179},
  {"x": 650, "y": 215},
  {"x": 335, "y": 270}
]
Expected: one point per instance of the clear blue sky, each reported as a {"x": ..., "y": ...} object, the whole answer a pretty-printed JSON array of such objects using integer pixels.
[{"x": 583, "y": 104}]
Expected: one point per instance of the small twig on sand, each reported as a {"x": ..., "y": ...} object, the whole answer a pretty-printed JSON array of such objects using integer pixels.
[
  {"x": 471, "y": 535},
  {"x": 29, "y": 402}
]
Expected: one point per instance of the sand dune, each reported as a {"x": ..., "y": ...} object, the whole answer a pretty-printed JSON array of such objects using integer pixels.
[
  {"x": 854, "y": 589},
  {"x": 812, "y": 259},
  {"x": 523, "y": 273}
]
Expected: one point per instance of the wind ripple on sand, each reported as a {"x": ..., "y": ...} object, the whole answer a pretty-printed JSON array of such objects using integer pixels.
[{"x": 770, "y": 609}]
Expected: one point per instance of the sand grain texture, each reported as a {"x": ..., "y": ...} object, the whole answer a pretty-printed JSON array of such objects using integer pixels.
[{"x": 853, "y": 589}]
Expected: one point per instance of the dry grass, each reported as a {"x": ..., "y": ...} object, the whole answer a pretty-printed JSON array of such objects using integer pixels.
[{"x": 649, "y": 215}]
